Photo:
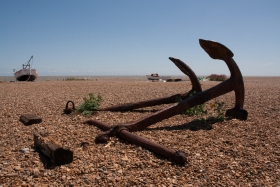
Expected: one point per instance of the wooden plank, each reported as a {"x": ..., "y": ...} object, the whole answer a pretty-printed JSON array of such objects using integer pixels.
[
  {"x": 52, "y": 149},
  {"x": 29, "y": 119}
]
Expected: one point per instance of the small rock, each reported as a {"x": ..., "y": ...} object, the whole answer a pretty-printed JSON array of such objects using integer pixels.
[
  {"x": 98, "y": 178},
  {"x": 125, "y": 158},
  {"x": 17, "y": 168},
  {"x": 120, "y": 171},
  {"x": 25, "y": 150},
  {"x": 36, "y": 162},
  {"x": 12, "y": 175},
  {"x": 36, "y": 172},
  {"x": 26, "y": 172}
]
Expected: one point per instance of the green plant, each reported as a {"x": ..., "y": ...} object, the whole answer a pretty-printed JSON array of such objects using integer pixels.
[
  {"x": 196, "y": 110},
  {"x": 90, "y": 104},
  {"x": 219, "y": 108},
  {"x": 200, "y": 78}
]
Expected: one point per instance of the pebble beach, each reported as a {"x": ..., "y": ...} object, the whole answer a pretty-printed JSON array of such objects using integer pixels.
[{"x": 225, "y": 153}]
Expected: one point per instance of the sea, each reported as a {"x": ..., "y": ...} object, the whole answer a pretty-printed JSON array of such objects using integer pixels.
[{"x": 61, "y": 78}]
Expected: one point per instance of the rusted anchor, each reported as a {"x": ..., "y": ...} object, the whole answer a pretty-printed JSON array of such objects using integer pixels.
[
  {"x": 67, "y": 109},
  {"x": 235, "y": 83}
]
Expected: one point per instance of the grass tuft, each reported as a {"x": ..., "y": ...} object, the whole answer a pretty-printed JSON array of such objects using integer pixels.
[
  {"x": 198, "y": 110},
  {"x": 89, "y": 105}
]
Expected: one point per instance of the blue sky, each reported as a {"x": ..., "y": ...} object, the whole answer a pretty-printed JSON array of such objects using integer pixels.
[{"x": 129, "y": 37}]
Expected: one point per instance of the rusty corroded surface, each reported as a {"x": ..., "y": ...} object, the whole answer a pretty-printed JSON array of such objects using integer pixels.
[
  {"x": 235, "y": 83},
  {"x": 189, "y": 72},
  {"x": 176, "y": 156},
  {"x": 68, "y": 109}
]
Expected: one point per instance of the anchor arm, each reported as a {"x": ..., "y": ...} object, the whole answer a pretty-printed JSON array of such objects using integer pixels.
[
  {"x": 218, "y": 51},
  {"x": 189, "y": 72}
]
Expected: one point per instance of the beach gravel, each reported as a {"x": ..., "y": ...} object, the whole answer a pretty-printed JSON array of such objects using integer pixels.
[{"x": 225, "y": 153}]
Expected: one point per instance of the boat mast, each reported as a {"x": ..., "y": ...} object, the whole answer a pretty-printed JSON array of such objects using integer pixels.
[{"x": 28, "y": 63}]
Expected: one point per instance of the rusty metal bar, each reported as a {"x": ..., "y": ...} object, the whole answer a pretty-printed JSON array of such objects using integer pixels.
[
  {"x": 176, "y": 156},
  {"x": 142, "y": 104},
  {"x": 189, "y": 72}
]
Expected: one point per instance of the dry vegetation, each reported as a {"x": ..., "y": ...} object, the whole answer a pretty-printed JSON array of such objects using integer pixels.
[{"x": 228, "y": 153}]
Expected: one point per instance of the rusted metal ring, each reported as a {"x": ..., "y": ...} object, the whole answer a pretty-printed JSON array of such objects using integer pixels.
[{"x": 68, "y": 110}]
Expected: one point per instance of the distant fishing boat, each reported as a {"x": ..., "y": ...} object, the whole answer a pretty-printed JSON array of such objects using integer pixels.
[
  {"x": 155, "y": 76},
  {"x": 26, "y": 73}
]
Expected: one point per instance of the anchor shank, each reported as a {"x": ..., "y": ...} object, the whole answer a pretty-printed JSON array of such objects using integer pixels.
[
  {"x": 177, "y": 156},
  {"x": 178, "y": 108},
  {"x": 142, "y": 104}
]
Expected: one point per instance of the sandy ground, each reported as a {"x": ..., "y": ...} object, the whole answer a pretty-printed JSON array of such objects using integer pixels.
[{"x": 227, "y": 153}]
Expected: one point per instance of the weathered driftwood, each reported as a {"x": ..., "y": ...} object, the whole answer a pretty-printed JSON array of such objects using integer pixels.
[
  {"x": 29, "y": 119},
  {"x": 52, "y": 149}
]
